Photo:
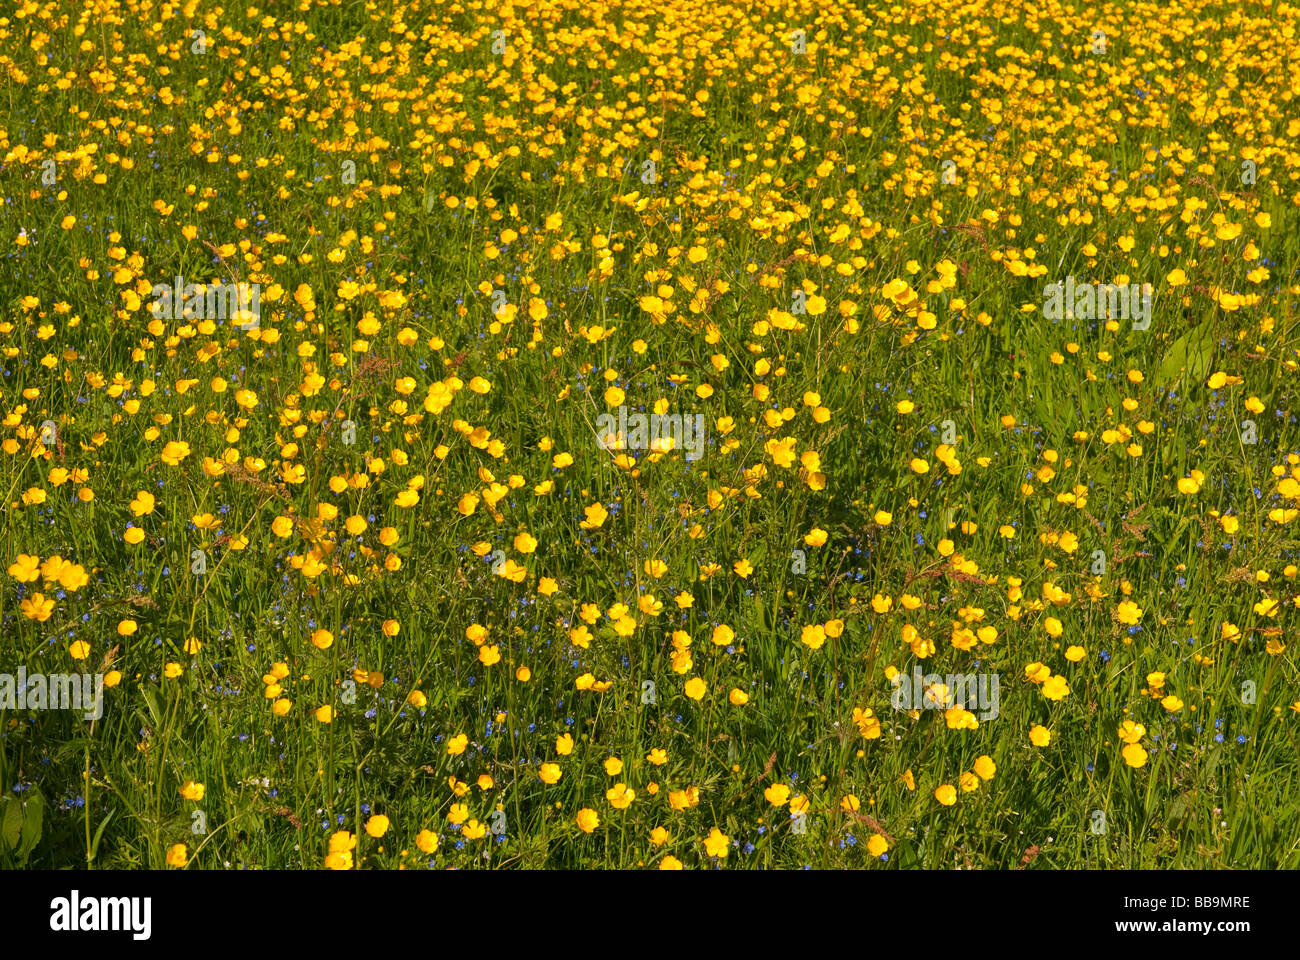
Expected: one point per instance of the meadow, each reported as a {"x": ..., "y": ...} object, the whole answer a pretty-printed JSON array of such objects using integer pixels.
[{"x": 644, "y": 435}]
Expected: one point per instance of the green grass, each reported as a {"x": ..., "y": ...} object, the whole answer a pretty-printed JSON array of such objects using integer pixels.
[{"x": 407, "y": 105}]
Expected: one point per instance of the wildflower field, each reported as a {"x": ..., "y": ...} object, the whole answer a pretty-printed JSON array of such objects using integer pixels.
[{"x": 650, "y": 435}]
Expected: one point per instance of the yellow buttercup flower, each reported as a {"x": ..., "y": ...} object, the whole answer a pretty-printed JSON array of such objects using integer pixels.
[{"x": 717, "y": 844}]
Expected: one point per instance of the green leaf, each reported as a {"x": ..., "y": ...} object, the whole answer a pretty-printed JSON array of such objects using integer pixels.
[
  {"x": 150, "y": 695},
  {"x": 99, "y": 832},
  {"x": 11, "y": 821},
  {"x": 33, "y": 819},
  {"x": 1188, "y": 356},
  {"x": 907, "y": 856}
]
